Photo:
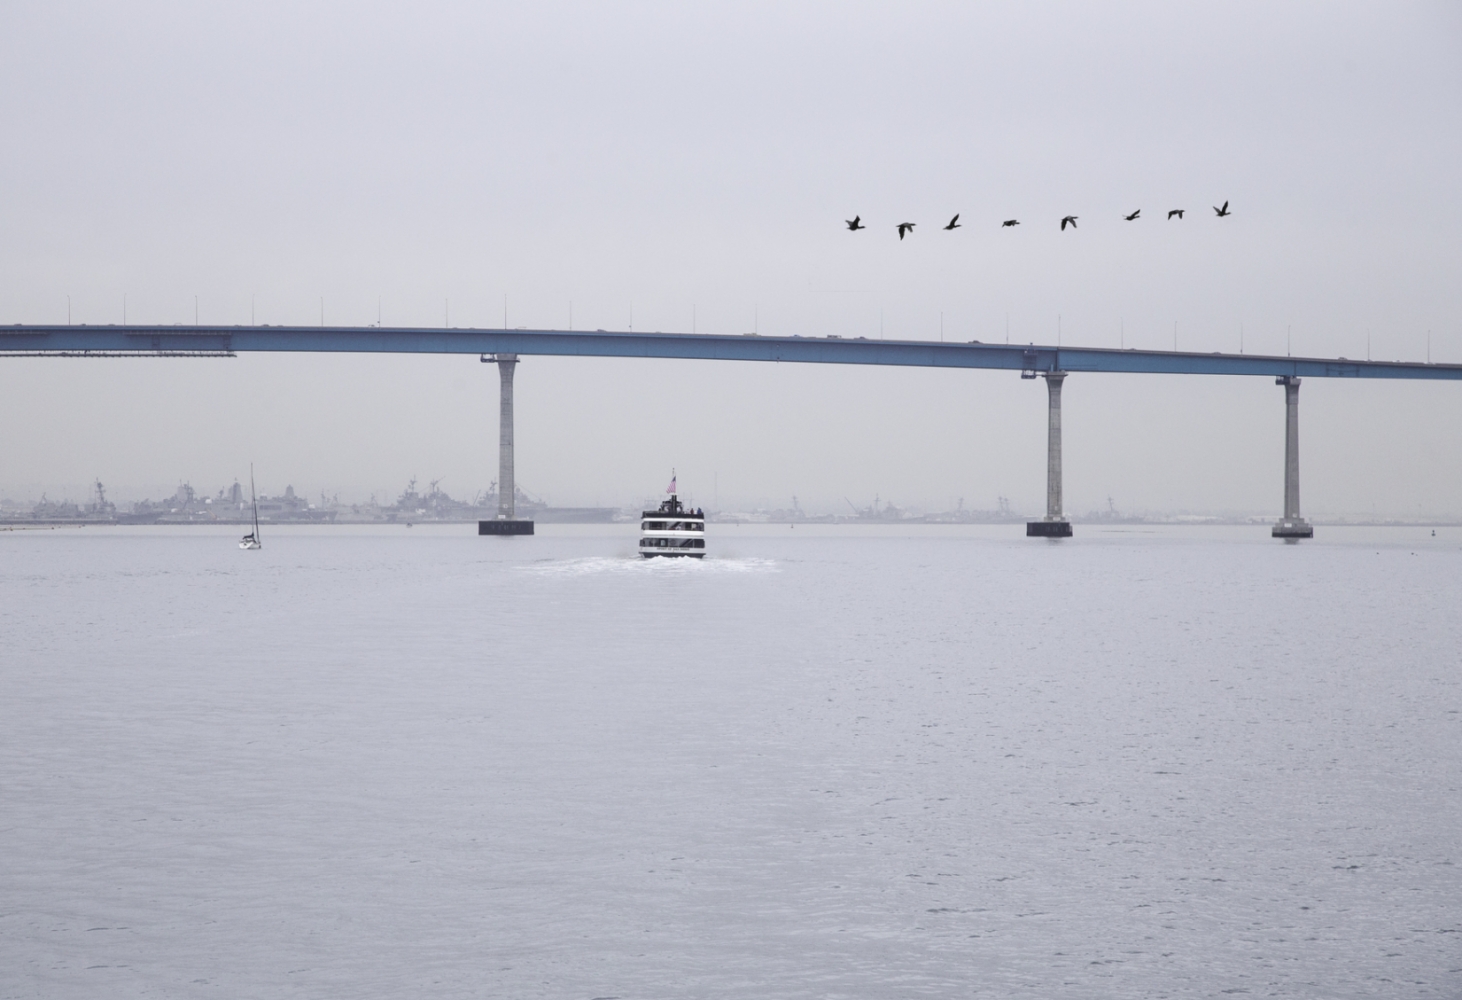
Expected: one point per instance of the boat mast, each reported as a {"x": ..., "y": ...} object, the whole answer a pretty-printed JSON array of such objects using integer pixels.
[{"x": 255, "y": 498}]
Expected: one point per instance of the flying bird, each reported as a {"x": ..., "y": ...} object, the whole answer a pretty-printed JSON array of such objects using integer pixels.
[
  {"x": 1134, "y": 215},
  {"x": 1177, "y": 211},
  {"x": 905, "y": 227},
  {"x": 1065, "y": 219},
  {"x": 1221, "y": 212},
  {"x": 954, "y": 222},
  {"x": 854, "y": 224},
  {"x": 1010, "y": 222}
]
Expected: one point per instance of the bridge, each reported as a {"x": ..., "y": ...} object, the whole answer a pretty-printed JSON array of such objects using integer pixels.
[{"x": 505, "y": 347}]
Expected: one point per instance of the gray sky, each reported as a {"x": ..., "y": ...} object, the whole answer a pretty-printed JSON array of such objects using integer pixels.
[{"x": 680, "y": 160}]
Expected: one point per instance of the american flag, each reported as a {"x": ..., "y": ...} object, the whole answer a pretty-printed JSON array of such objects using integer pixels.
[{"x": 671, "y": 487}]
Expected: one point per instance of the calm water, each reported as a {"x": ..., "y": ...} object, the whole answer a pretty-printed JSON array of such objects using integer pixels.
[{"x": 823, "y": 763}]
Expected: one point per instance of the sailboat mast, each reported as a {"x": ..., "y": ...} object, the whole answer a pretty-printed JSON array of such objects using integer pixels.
[{"x": 255, "y": 498}]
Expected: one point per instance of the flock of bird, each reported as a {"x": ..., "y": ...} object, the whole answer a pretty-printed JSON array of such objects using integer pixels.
[{"x": 904, "y": 228}]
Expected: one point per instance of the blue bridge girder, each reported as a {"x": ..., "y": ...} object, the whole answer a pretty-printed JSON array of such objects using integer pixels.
[{"x": 140, "y": 339}]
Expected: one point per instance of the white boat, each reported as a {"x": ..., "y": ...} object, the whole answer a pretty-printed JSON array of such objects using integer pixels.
[
  {"x": 251, "y": 540},
  {"x": 673, "y": 530}
]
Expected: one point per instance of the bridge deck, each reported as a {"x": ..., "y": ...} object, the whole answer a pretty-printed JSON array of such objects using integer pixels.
[{"x": 155, "y": 340}]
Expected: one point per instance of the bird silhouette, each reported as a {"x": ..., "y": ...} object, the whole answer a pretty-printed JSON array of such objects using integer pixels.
[
  {"x": 1065, "y": 219},
  {"x": 1010, "y": 222},
  {"x": 954, "y": 222},
  {"x": 1177, "y": 211},
  {"x": 1134, "y": 215},
  {"x": 854, "y": 224},
  {"x": 905, "y": 227},
  {"x": 1221, "y": 212}
]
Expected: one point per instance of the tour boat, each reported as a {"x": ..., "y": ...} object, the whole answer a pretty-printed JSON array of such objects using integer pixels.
[{"x": 673, "y": 530}]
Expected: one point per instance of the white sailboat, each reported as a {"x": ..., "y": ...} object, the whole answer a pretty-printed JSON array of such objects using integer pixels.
[{"x": 251, "y": 540}]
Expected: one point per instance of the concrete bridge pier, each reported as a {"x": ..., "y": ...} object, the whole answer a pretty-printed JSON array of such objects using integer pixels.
[
  {"x": 506, "y": 523},
  {"x": 1291, "y": 527},
  {"x": 1055, "y": 524}
]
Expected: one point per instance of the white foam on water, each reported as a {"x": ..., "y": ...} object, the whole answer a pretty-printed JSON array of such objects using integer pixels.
[{"x": 637, "y": 566}]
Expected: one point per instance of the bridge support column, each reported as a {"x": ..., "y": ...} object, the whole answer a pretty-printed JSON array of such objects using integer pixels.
[
  {"x": 1055, "y": 524},
  {"x": 1291, "y": 526},
  {"x": 506, "y": 523},
  {"x": 506, "y": 365}
]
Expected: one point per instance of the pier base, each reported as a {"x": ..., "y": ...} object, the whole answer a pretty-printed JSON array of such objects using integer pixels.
[
  {"x": 1299, "y": 528},
  {"x": 1048, "y": 529},
  {"x": 503, "y": 527}
]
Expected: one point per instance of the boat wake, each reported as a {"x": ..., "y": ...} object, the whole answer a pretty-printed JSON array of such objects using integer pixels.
[{"x": 634, "y": 565}]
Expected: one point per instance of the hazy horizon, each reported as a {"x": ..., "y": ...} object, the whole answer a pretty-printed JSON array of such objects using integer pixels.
[{"x": 712, "y": 497}]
